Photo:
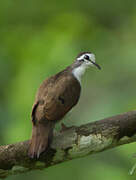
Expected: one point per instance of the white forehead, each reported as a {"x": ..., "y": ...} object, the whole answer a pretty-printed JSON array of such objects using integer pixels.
[{"x": 91, "y": 56}]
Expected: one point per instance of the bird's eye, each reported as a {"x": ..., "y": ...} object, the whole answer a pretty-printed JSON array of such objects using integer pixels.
[{"x": 86, "y": 57}]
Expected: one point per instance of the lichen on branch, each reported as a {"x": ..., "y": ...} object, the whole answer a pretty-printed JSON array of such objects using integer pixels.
[{"x": 75, "y": 142}]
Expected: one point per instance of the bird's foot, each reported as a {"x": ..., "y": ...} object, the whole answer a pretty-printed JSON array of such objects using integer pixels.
[{"x": 64, "y": 127}]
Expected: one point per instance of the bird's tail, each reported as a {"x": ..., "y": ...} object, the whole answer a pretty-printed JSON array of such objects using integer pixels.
[{"x": 41, "y": 136}]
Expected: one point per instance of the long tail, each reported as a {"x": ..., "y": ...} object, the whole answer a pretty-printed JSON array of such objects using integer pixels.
[{"x": 41, "y": 137}]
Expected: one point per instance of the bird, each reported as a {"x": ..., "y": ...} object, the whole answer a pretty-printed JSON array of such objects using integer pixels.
[{"x": 56, "y": 96}]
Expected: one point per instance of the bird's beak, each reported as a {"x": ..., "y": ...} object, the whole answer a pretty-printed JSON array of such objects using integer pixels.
[{"x": 97, "y": 65}]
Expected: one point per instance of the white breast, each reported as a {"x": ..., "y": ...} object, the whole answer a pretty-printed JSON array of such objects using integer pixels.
[{"x": 78, "y": 72}]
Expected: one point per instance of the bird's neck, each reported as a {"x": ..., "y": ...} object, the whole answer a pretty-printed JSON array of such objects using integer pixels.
[{"x": 78, "y": 72}]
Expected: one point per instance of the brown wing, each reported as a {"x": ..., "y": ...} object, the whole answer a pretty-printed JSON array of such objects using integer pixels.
[
  {"x": 38, "y": 106},
  {"x": 56, "y": 97}
]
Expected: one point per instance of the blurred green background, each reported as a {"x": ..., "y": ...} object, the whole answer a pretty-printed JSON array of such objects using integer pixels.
[{"x": 40, "y": 38}]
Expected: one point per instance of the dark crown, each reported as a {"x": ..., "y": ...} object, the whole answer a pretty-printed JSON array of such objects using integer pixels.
[{"x": 80, "y": 54}]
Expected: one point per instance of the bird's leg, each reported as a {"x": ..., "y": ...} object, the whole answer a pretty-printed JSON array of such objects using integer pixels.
[{"x": 64, "y": 127}]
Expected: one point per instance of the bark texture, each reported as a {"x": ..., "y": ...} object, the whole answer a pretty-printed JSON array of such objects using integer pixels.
[{"x": 72, "y": 143}]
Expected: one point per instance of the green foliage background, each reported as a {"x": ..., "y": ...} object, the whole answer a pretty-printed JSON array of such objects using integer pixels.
[{"x": 40, "y": 38}]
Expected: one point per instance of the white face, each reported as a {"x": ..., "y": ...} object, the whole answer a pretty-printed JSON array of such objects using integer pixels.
[{"x": 87, "y": 58}]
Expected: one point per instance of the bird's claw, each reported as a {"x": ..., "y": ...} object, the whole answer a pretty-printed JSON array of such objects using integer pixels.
[{"x": 64, "y": 127}]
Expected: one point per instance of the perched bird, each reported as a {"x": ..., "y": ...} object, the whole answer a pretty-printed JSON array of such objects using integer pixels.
[{"x": 55, "y": 97}]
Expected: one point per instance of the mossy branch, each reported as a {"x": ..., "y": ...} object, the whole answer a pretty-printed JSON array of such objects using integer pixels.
[{"x": 72, "y": 143}]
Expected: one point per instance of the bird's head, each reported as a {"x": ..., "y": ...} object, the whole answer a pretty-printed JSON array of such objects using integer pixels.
[
  {"x": 87, "y": 59},
  {"x": 83, "y": 61}
]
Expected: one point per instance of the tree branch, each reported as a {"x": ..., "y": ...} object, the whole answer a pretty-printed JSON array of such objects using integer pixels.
[{"x": 73, "y": 143}]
